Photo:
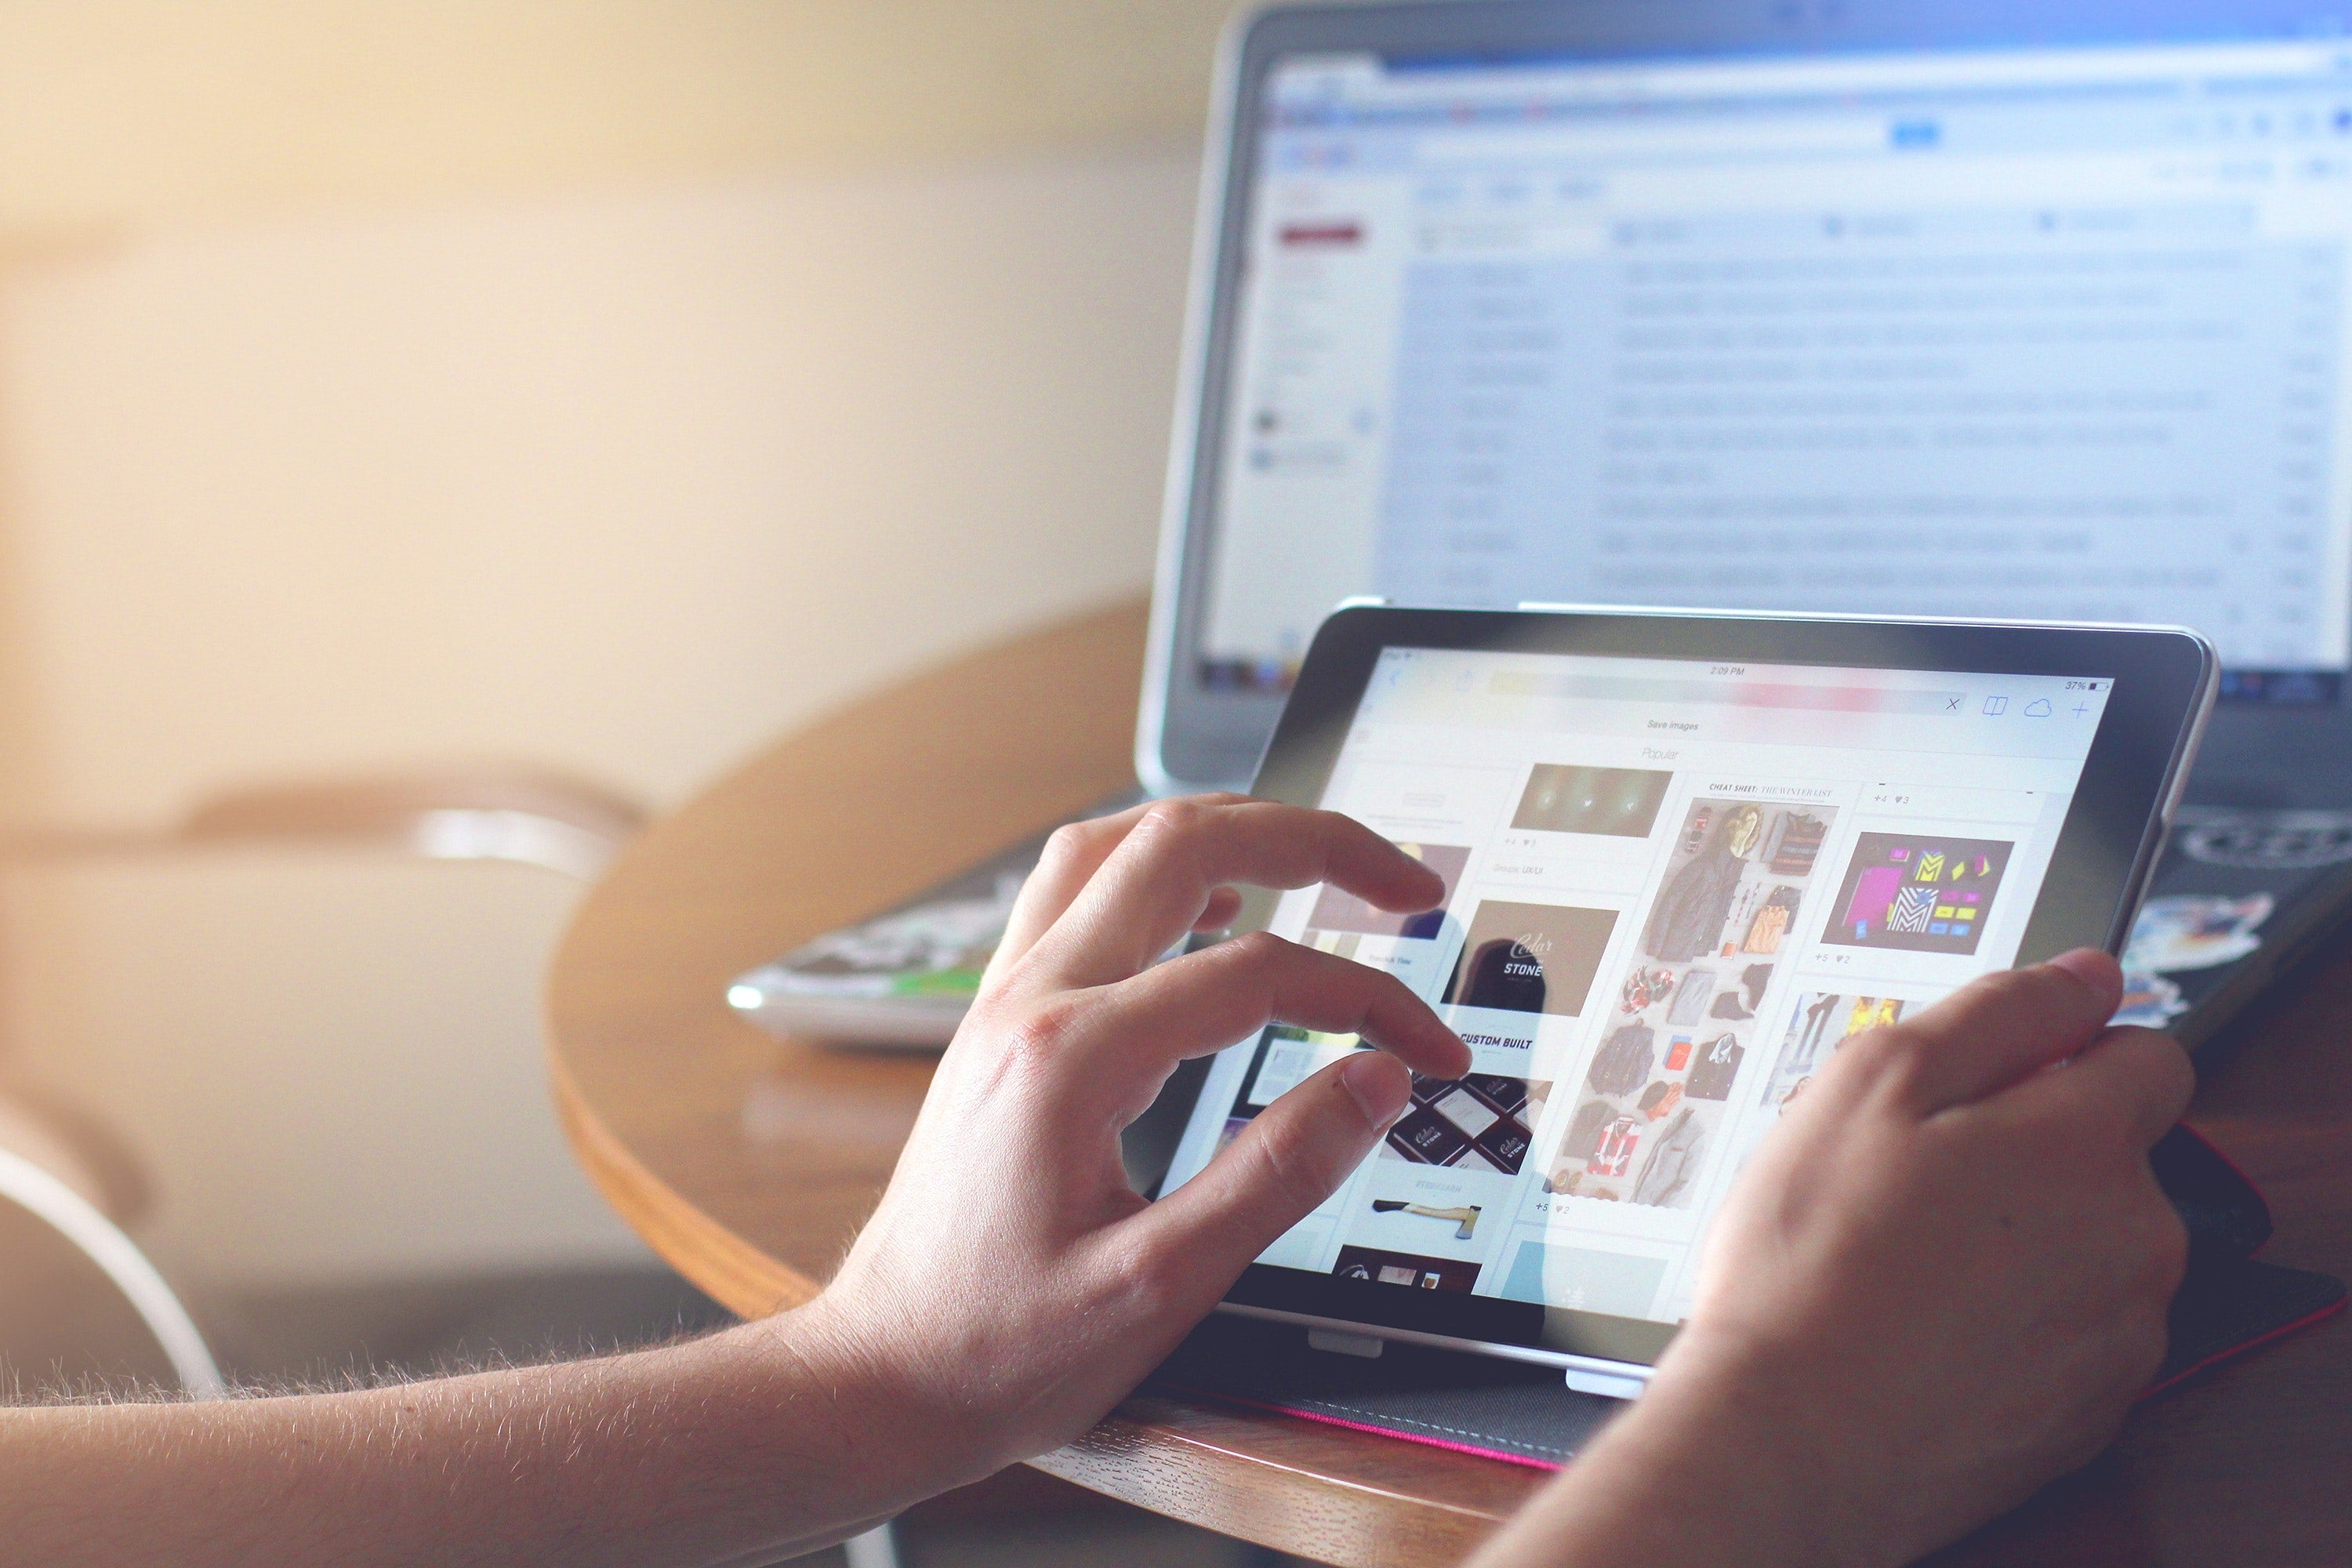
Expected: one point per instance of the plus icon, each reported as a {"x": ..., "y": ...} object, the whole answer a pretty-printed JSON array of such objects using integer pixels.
[{"x": 2081, "y": 709}]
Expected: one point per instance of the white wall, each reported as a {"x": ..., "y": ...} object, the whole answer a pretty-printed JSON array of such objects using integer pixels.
[
  {"x": 127, "y": 114},
  {"x": 625, "y": 483}
]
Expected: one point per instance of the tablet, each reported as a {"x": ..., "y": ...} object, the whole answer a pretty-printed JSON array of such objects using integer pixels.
[{"x": 1685, "y": 856}]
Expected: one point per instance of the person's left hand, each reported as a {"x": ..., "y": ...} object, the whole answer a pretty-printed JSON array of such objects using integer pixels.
[{"x": 1011, "y": 1286}]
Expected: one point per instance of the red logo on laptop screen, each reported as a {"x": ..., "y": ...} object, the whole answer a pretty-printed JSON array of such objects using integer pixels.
[{"x": 1336, "y": 232}]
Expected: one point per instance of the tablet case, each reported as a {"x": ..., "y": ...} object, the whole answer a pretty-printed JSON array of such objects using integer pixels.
[{"x": 2228, "y": 1304}]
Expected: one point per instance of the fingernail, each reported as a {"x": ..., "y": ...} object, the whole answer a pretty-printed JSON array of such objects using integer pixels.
[{"x": 1378, "y": 1084}]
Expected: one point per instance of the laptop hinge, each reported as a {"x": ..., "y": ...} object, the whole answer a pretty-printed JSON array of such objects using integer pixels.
[{"x": 1364, "y": 1345}]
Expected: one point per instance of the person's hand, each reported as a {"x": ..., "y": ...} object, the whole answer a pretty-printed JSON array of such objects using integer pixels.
[
  {"x": 1011, "y": 1286},
  {"x": 1940, "y": 1284}
]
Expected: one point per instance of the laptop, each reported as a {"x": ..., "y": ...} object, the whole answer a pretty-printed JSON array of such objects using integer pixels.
[
  {"x": 1919, "y": 309},
  {"x": 1974, "y": 310}
]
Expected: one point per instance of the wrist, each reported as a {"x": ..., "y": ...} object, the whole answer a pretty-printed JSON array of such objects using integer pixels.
[
  {"x": 893, "y": 1413},
  {"x": 1704, "y": 1469},
  {"x": 1721, "y": 1421}
]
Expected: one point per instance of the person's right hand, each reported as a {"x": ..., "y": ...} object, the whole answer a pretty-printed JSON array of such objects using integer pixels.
[
  {"x": 1012, "y": 1286},
  {"x": 1940, "y": 1284}
]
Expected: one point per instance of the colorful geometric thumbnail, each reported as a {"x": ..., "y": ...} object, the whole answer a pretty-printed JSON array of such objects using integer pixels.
[{"x": 1910, "y": 892}]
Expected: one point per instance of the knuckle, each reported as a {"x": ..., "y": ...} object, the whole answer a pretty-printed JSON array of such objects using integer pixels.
[
  {"x": 1160, "y": 1274},
  {"x": 1074, "y": 842},
  {"x": 1067, "y": 841},
  {"x": 1876, "y": 1051},
  {"x": 1164, "y": 817},
  {"x": 1044, "y": 1031},
  {"x": 1166, "y": 835},
  {"x": 1886, "y": 1054},
  {"x": 1256, "y": 949},
  {"x": 1280, "y": 1164}
]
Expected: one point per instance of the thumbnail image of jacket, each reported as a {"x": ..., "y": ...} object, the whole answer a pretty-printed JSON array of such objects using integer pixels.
[
  {"x": 1673, "y": 1162},
  {"x": 1584, "y": 1128},
  {"x": 1717, "y": 1065},
  {"x": 1697, "y": 900},
  {"x": 1622, "y": 1063}
]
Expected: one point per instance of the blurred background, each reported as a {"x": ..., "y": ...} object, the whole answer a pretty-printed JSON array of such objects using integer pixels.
[{"x": 605, "y": 385}]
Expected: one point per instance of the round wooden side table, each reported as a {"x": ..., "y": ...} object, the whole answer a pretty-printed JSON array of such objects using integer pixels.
[{"x": 749, "y": 1163}]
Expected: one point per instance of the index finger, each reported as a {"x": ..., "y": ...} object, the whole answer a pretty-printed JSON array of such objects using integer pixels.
[
  {"x": 1073, "y": 852},
  {"x": 1154, "y": 884}
]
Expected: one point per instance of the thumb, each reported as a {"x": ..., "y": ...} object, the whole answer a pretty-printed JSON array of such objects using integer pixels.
[
  {"x": 1292, "y": 1155},
  {"x": 2000, "y": 1028}
]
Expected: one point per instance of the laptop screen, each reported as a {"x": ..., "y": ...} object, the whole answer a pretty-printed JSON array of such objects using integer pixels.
[{"x": 2032, "y": 331}]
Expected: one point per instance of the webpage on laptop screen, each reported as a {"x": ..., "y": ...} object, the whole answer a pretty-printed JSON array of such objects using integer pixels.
[
  {"x": 1663, "y": 915},
  {"x": 2055, "y": 332}
]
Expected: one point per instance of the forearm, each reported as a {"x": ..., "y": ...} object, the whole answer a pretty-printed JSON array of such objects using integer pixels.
[
  {"x": 742, "y": 1447},
  {"x": 1698, "y": 1473}
]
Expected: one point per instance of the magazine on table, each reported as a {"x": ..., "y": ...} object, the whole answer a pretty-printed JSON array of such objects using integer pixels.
[{"x": 903, "y": 978}]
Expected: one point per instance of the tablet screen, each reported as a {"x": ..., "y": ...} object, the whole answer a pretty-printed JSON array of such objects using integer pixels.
[{"x": 1673, "y": 888}]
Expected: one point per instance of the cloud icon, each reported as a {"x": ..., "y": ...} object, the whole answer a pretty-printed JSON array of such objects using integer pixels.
[{"x": 2038, "y": 709}]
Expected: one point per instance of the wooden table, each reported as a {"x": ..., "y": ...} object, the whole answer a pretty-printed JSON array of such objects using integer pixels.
[{"x": 749, "y": 1164}]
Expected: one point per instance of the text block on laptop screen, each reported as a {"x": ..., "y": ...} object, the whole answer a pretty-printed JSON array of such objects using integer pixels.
[{"x": 2038, "y": 333}]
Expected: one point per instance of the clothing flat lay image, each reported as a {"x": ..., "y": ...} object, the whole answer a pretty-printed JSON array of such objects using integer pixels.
[
  {"x": 1817, "y": 1026},
  {"x": 1735, "y": 884},
  {"x": 1399, "y": 783}
]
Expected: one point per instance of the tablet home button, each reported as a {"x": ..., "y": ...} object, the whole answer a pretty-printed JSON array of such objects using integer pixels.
[
  {"x": 1338, "y": 1344},
  {"x": 1605, "y": 1384}
]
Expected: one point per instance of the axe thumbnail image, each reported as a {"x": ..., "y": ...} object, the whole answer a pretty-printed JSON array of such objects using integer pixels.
[{"x": 1468, "y": 1218}]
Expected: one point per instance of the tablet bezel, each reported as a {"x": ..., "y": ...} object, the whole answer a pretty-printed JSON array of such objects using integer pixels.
[{"x": 2165, "y": 681}]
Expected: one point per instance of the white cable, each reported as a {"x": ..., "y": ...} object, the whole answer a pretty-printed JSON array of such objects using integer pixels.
[{"x": 47, "y": 1198}]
